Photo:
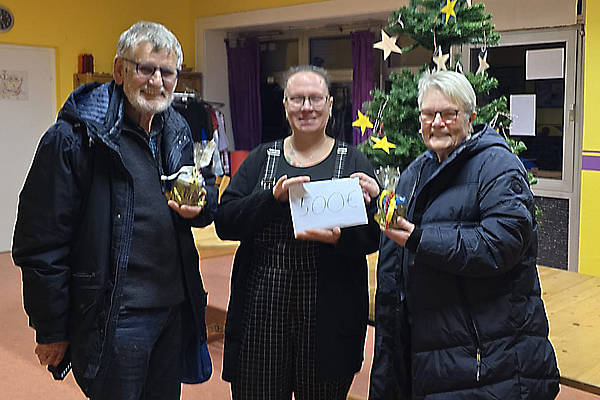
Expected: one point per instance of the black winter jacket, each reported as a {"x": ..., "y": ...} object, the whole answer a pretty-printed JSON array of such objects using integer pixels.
[
  {"x": 342, "y": 290},
  {"x": 74, "y": 228},
  {"x": 461, "y": 317}
]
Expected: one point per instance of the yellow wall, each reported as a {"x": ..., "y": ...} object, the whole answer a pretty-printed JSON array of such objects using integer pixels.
[
  {"x": 589, "y": 256},
  {"x": 232, "y": 6},
  {"x": 73, "y": 27}
]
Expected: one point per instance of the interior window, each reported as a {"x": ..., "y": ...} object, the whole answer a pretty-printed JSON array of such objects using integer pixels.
[
  {"x": 544, "y": 154},
  {"x": 276, "y": 57},
  {"x": 331, "y": 53}
]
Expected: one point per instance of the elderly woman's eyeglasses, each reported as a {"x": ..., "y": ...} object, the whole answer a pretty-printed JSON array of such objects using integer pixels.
[
  {"x": 448, "y": 116},
  {"x": 316, "y": 102},
  {"x": 146, "y": 70}
]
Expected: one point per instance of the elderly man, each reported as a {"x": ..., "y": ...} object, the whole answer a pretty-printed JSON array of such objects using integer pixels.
[{"x": 110, "y": 270}]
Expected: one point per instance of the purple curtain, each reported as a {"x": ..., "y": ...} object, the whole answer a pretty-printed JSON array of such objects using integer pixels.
[
  {"x": 243, "y": 66},
  {"x": 362, "y": 78}
]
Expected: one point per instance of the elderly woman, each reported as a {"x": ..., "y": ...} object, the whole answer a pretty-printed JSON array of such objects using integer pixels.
[
  {"x": 298, "y": 309},
  {"x": 458, "y": 307}
]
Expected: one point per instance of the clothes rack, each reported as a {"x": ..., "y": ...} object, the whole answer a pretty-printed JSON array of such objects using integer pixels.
[
  {"x": 184, "y": 97},
  {"x": 206, "y": 122}
]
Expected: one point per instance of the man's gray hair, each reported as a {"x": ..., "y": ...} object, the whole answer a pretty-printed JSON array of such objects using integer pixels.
[
  {"x": 452, "y": 84},
  {"x": 156, "y": 34}
]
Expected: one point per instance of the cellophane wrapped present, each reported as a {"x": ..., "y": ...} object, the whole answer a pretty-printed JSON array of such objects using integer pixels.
[
  {"x": 390, "y": 204},
  {"x": 186, "y": 186}
]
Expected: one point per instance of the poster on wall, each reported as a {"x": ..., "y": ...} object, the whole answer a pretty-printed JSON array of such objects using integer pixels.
[{"x": 13, "y": 85}]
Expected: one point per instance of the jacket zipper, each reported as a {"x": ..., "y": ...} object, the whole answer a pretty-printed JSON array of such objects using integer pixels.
[
  {"x": 412, "y": 193},
  {"x": 403, "y": 272},
  {"x": 112, "y": 312},
  {"x": 475, "y": 332},
  {"x": 478, "y": 343}
]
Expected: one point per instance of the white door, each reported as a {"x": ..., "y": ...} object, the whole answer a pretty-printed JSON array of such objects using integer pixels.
[{"x": 27, "y": 109}]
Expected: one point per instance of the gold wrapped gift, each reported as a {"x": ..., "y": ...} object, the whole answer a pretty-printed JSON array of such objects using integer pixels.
[
  {"x": 186, "y": 186},
  {"x": 390, "y": 205}
]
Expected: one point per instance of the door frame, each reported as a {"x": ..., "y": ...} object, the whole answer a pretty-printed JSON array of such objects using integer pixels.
[{"x": 568, "y": 187}]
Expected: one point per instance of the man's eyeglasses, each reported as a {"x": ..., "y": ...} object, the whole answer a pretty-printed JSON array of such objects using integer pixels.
[
  {"x": 448, "y": 116},
  {"x": 147, "y": 70},
  {"x": 316, "y": 102}
]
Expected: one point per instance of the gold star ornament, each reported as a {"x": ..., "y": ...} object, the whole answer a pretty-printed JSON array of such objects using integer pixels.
[
  {"x": 449, "y": 9},
  {"x": 440, "y": 59},
  {"x": 387, "y": 44},
  {"x": 382, "y": 143},
  {"x": 363, "y": 122}
]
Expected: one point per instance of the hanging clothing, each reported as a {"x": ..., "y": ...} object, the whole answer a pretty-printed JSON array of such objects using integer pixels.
[{"x": 207, "y": 123}]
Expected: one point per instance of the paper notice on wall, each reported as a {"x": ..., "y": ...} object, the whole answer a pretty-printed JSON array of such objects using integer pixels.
[
  {"x": 522, "y": 113},
  {"x": 13, "y": 85},
  {"x": 545, "y": 64},
  {"x": 327, "y": 204}
]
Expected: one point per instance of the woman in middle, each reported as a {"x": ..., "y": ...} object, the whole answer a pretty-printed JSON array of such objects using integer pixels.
[{"x": 297, "y": 314}]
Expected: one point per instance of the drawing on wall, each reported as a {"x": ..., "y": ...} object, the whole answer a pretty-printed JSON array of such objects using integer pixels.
[{"x": 13, "y": 85}]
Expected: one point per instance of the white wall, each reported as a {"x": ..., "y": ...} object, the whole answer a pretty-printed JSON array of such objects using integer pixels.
[
  {"x": 23, "y": 119},
  {"x": 215, "y": 83}
]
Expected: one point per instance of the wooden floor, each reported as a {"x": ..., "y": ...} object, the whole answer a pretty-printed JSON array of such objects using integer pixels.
[
  {"x": 573, "y": 306},
  {"x": 22, "y": 378}
]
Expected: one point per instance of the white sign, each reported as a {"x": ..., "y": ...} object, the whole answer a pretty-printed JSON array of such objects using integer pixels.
[
  {"x": 327, "y": 204},
  {"x": 545, "y": 64},
  {"x": 522, "y": 113}
]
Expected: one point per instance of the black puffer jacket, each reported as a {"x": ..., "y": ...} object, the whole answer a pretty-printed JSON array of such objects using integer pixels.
[
  {"x": 75, "y": 224},
  {"x": 461, "y": 316}
]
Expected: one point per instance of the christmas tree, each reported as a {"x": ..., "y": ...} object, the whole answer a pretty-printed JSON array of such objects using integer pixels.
[{"x": 437, "y": 25}]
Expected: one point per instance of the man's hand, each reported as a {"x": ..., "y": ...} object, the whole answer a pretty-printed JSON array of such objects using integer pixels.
[
  {"x": 401, "y": 234},
  {"x": 51, "y": 353},
  {"x": 368, "y": 185},
  {"x": 330, "y": 236},
  {"x": 281, "y": 188},
  {"x": 186, "y": 211}
]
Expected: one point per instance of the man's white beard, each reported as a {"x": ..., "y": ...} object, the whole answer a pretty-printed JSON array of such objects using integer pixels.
[{"x": 147, "y": 107}]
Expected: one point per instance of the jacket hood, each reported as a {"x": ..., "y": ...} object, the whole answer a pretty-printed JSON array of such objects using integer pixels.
[
  {"x": 89, "y": 102},
  {"x": 98, "y": 106}
]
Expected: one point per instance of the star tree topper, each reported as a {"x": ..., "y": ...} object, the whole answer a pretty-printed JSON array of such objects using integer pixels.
[
  {"x": 388, "y": 45},
  {"x": 448, "y": 9},
  {"x": 440, "y": 59},
  {"x": 363, "y": 122},
  {"x": 382, "y": 143}
]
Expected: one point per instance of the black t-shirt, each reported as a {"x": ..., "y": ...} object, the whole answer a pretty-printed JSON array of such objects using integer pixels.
[{"x": 321, "y": 171}]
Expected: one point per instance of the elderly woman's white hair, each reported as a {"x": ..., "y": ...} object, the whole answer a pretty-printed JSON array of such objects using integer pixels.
[
  {"x": 453, "y": 85},
  {"x": 152, "y": 32}
]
